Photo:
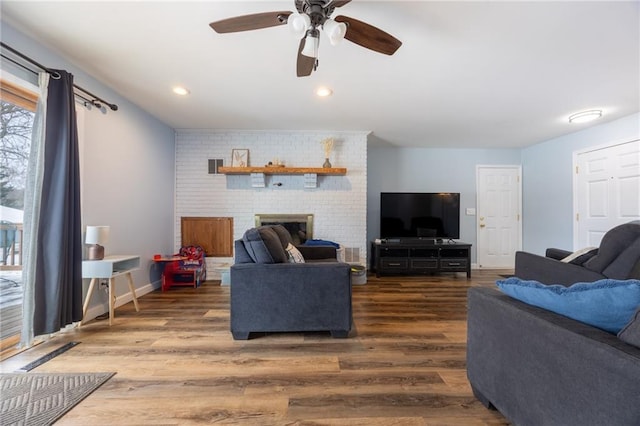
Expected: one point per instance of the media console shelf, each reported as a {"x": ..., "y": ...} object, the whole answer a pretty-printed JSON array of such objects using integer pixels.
[{"x": 421, "y": 257}]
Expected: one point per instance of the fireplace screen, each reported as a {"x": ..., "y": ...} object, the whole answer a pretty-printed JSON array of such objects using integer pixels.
[{"x": 300, "y": 226}]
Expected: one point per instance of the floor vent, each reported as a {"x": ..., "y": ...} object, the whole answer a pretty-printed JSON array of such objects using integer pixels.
[
  {"x": 47, "y": 357},
  {"x": 352, "y": 254}
]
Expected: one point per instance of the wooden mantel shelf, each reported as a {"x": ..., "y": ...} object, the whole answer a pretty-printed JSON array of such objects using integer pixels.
[{"x": 283, "y": 170}]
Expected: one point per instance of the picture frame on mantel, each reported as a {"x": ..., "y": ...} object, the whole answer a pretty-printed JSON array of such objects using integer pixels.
[{"x": 239, "y": 158}]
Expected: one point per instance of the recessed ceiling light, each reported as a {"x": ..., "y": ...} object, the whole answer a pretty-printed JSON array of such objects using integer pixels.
[
  {"x": 179, "y": 90},
  {"x": 323, "y": 92},
  {"x": 584, "y": 116}
]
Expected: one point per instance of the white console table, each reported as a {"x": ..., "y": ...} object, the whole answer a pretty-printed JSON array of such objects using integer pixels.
[{"x": 109, "y": 268}]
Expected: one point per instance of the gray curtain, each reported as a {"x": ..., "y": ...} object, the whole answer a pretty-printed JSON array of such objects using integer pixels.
[{"x": 57, "y": 272}]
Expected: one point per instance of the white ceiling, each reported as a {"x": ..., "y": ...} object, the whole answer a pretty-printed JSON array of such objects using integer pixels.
[{"x": 469, "y": 74}]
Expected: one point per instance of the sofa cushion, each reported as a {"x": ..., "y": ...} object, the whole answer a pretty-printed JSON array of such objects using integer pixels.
[
  {"x": 580, "y": 256},
  {"x": 614, "y": 242},
  {"x": 623, "y": 266},
  {"x": 264, "y": 246},
  {"x": 241, "y": 254},
  {"x": 606, "y": 304},
  {"x": 631, "y": 332},
  {"x": 294, "y": 254},
  {"x": 283, "y": 235}
]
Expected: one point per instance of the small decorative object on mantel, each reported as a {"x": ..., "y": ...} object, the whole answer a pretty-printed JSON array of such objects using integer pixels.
[
  {"x": 327, "y": 146},
  {"x": 275, "y": 163},
  {"x": 239, "y": 158}
]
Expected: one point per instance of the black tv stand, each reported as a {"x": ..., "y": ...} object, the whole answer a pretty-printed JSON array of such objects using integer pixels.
[
  {"x": 420, "y": 256},
  {"x": 418, "y": 241}
]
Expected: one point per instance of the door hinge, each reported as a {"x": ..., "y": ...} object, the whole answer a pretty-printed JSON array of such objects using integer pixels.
[
  {"x": 577, "y": 169},
  {"x": 577, "y": 217},
  {"x": 518, "y": 217}
]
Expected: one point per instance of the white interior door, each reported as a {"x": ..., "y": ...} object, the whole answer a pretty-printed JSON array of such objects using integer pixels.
[
  {"x": 498, "y": 222},
  {"x": 606, "y": 191}
]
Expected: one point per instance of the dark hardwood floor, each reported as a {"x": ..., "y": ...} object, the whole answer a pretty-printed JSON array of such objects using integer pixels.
[{"x": 177, "y": 363}]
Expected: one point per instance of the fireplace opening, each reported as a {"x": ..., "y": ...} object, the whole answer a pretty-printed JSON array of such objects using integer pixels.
[{"x": 300, "y": 226}]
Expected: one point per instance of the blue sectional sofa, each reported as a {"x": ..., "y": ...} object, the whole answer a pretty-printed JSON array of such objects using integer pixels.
[{"x": 272, "y": 293}]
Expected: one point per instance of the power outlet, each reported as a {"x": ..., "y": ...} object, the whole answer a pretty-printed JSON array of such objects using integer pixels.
[{"x": 104, "y": 285}]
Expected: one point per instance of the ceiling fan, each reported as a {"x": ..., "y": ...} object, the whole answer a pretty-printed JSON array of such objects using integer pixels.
[{"x": 306, "y": 23}]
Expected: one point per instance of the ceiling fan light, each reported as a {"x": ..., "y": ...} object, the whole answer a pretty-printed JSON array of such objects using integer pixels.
[
  {"x": 311, "y": 43},
  {"x": 585, "y": 116},
  {"x": 298, "y": 24},
  {"x": 334, "y": 30}
]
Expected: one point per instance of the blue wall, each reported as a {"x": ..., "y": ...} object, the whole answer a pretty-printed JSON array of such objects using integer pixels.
[
  {"x": 548, "y": 181},
  {"x": 430, "y": 170},
  {"x": 127, "y": 169}
]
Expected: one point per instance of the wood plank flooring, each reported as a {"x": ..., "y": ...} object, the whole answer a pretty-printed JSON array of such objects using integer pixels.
[{"x": 177, "y": 364}]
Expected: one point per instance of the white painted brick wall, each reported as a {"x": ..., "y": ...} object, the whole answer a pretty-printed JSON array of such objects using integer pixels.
[{"x": 339, "y": 203}]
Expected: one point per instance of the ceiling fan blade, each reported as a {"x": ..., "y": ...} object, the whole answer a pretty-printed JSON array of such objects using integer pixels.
[
  {"x": 338, "y": 3},
  {"x": 368, "y": 36},
  {"x": 305, "y": 64},
  {"x": 255, "y": 21}
]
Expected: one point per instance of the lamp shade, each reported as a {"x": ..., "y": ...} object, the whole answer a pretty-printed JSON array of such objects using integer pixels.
[
  {"x": 311, "y": 42},
  {"x": 298, "y": 24},
  {"x": 97, "y": 235},
  {"x": 334, "y": 30}
]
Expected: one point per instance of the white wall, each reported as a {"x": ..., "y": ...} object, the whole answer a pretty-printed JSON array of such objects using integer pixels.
[
  {"x": 547, "y": 170},
  {"x": 127, "y": 172},
  {"x": 338, "y": 203}
]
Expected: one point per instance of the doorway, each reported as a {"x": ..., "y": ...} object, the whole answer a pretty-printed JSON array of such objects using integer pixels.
[
  {"x": 606, "y": 191},
  {"x": 498, "y": 216}
]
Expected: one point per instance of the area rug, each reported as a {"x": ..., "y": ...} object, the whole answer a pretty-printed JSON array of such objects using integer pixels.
[{"x": 42, "y": 398}]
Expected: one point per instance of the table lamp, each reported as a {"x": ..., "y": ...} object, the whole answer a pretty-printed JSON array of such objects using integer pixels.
[{"x": 96, "y": 236}]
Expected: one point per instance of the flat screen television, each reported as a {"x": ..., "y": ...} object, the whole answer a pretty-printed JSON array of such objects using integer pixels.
[{"x": 420, "y": 215}]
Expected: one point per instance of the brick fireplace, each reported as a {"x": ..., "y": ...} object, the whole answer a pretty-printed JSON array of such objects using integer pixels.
[
  {"x": 300, "y": 226},
  {"x": 338, "y": 206}
]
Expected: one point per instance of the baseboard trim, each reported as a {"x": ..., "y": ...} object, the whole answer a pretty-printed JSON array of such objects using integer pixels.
[{"x": 123, "y": 299}]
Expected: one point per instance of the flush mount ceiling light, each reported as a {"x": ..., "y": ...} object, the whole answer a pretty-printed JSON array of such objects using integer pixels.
[
  {"x": 179, "y": 90},
  {"x": 585, "y": 116},
  {"x": 323, "y": 92}
]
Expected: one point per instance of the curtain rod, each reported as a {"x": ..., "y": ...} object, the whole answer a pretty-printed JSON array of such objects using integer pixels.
[
  {"x": 86, "y": 101},
  {"x": 95, "y": 99}
]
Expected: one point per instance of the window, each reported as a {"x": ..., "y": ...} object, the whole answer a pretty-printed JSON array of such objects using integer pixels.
[{"x": 17, "y": 110}]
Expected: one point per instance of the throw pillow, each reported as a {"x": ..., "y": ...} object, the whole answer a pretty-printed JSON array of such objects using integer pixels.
[
  {"x": 294, "y": 254},
  {"x": 581, "y": 256},
  {"x": 606, "y": 304},
  {"x": 631, "y": 332}
]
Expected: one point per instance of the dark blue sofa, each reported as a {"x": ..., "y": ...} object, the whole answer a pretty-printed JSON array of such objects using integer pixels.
[
  {"x": 539, "y": 368},
  {"x": 618, "y": 257},
  {"x": 270, "y": 294}
]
